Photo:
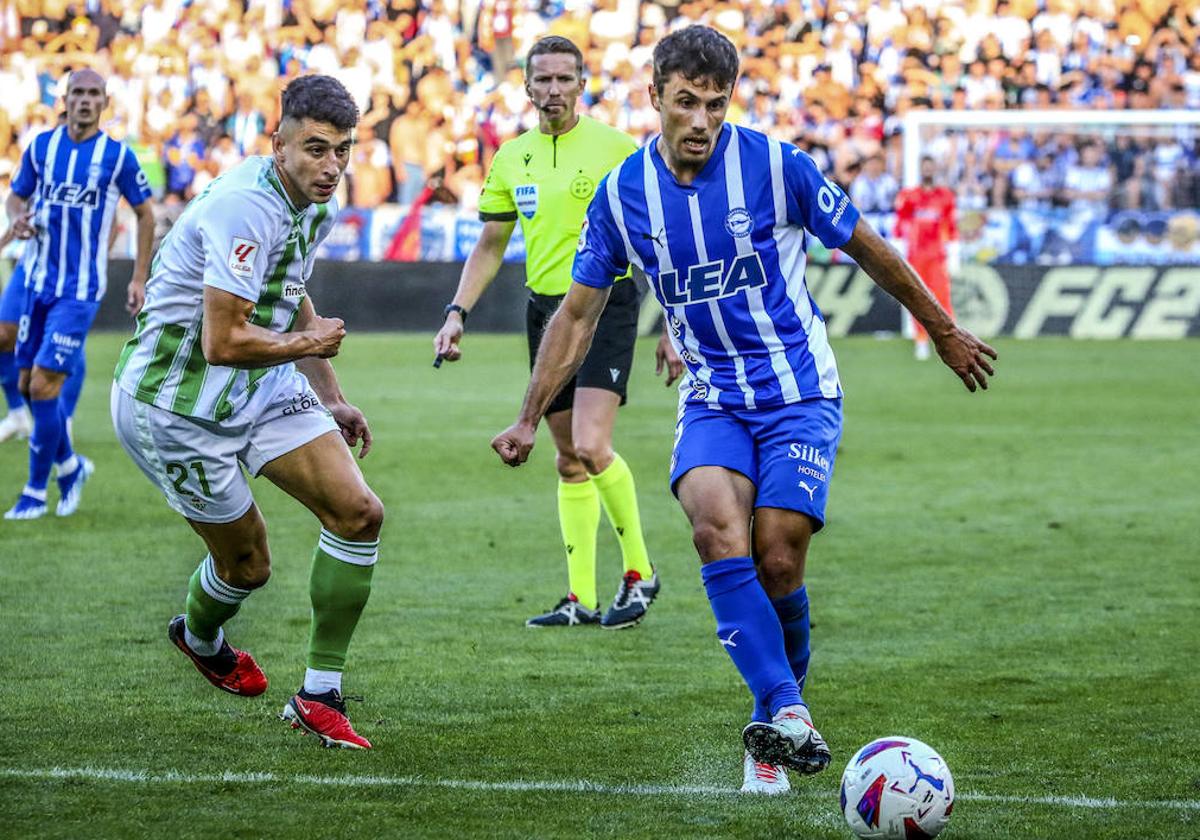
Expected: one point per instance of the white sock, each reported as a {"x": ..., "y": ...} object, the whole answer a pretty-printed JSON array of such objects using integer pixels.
[
  {"x": 318, "y": 682},
  {"x": 800, "y": 711},
  {"x": 33, "y": 492},
  {"x": 68, "y": 466},
  {"x": 199, "y": 646}
]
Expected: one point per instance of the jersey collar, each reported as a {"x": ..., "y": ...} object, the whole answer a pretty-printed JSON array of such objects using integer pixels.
[{"x": 550, "y": 138}]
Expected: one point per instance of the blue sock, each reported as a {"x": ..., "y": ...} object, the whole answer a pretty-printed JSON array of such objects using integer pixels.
[
  {"x": 46, "y": 440},
  {"x": 72, "y": 387},
  {"x": 9, "y": 377},
  {"x": 749, "y": 630},
  {"x": 65, "y": 451},
  {"x": 792, "y": 610}
]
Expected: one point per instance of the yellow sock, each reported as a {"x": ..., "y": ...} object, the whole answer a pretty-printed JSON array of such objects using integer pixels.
[
  {"x": 619, "y": 496},
  {"x": 579, "y": 516}
]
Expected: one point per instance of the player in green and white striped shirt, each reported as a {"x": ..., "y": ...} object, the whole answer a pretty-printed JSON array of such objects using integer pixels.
[{"x": 228, "y": 368}]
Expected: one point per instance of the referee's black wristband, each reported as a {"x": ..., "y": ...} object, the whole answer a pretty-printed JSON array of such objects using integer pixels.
[{"x": 454, "y": 307}]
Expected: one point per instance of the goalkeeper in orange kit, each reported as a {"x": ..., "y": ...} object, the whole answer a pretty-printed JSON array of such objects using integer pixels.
[{"x": 925, "y": 221}]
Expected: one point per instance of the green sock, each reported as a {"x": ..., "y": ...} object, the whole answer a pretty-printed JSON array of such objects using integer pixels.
[
  {"x": 211, "y": 601},
  {"x": 339, "y": 585},
  {"x": 619, "y": 496},
  {"x": 579, "y": 516}
]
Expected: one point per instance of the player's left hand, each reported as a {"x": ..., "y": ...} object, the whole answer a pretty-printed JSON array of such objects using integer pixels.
[
  {"x": 967, "y": 356},
  {"x": 514, "y": 444},
  {"x": 666, "y": 357},
  {"x": 353, "y": 425},
  {"x": 135, "y": 297}
]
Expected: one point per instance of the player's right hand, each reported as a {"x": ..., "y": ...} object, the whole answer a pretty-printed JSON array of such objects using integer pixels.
[
  {"x": 514, "y": 444},
  {"x": 445, "y": 343},
  {"x": 329, "y": 333},
  {"x": 967, "y": 356},
  {"x": 22, "y": 226}
]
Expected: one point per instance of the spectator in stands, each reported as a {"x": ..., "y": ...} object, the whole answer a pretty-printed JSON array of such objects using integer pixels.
[
  {"x": 1089, "y": 183},
  {"x": 246, "y": 124},
  {"x": 183, "y": 157},
  {"x": 370, "y": 170},
  {"x": 874, "y": 190},
  {"x": 1035, "y": 183}
]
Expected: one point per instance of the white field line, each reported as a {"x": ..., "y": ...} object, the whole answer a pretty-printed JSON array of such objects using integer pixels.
[{"x": 101, "y": 774}]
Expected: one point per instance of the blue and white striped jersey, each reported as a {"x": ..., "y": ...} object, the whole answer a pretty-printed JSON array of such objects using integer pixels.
[
  {"x": 75, "y": 188},
  {"x": 725, "y": 256}
]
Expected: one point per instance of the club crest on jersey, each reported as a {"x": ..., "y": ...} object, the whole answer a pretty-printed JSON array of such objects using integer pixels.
[
  {"x": 711, "y": 280},
  {"x": 739, "y": 222},
  {"x": 241, "y": 256},
  {"x": 582, "y": 237},
  {"x": 526, "y": 197}
]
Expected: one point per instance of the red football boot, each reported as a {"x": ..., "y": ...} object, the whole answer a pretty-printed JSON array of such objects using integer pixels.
[
  {"x": 324, "y": 715},
  {"x": 230, "y": 669}
]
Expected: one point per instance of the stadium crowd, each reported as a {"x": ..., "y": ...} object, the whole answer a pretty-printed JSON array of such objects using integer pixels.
[{"x": 194, "y": 85}]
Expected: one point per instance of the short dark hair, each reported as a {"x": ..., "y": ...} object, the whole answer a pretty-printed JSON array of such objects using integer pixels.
[
  {"x": 555, "y": 45},
  {"x": 320, "y": 98},
  {"x": 696, "y": 52}
]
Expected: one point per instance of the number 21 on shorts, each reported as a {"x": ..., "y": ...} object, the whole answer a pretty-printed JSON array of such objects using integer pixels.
[{"x": 178, "y": 473}]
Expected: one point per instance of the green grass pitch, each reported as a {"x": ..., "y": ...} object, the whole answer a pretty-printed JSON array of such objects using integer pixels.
[{"x": 1012, "y": 577}]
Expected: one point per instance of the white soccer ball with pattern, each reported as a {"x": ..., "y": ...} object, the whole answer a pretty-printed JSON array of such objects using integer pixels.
[{"x": 897, "y": 788}]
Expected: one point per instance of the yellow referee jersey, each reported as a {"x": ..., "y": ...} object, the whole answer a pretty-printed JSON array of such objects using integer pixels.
[{"x": 546, "y": 182}]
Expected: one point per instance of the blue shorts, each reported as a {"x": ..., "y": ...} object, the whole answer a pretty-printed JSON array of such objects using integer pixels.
[
  {"x": 788, "y": 452},
  {"x": 13, "y": 300},
  {"x": 51, "y": 331}
]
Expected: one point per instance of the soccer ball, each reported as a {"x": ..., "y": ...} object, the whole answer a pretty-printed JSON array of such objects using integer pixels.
[{"x": 897, "y": 789}]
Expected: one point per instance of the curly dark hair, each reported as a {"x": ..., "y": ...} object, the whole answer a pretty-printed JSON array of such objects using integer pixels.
[
  {"x": 552, "y": 44},
  {"x": 696, "y": 52},
  {"x": 320, "y": 98}
]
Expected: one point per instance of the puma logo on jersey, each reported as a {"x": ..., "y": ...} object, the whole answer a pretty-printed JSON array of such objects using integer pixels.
[
  {"x": 241, "y": 256},
  {"x": 807, "y": 489}
]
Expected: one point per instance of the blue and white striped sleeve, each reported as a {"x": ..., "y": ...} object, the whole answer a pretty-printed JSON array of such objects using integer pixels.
[
  {"x": 815, "y": 202},
  {"x": 131, "y": 180},
  {"x": 26, "y": 181},
  {"x": 600, "y": 258}
]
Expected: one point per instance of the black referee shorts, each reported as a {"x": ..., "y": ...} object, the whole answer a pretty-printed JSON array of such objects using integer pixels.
[{"x": 610, "y": 358}]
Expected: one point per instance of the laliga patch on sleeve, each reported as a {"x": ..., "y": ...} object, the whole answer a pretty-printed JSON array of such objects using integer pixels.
[
  {"x": 241, "y": 256},
  {"x": 579, "y": 248}
]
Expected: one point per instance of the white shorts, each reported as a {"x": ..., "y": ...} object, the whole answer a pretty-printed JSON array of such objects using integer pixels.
[{"x": 197, "y": 464}]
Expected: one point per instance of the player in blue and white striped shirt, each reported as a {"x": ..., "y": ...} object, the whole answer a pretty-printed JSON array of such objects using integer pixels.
[
  {"x": 62, "y": 203},
  {"x": 718, "y": 218}
]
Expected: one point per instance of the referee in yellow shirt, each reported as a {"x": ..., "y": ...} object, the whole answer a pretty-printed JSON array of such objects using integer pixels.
[{"x": 545, "y": 180}]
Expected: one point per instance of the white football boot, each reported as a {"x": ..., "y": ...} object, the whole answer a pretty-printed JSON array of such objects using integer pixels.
[
  {"x": 760, "y": 777},
  {"x": 17, "y": 424},
  {"x": 789, "y": 739}
]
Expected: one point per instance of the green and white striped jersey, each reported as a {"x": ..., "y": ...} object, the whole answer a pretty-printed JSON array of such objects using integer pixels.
[{"x": 242, "y": 235}]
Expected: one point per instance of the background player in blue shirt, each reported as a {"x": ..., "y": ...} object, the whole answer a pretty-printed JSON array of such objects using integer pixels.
[
  {"x": 16, "y": 423},
  {"x": 63, "y": 201},
  {"x": 718, "y": 218}
]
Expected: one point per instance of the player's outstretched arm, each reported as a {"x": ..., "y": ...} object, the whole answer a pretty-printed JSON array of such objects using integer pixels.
[
  {"x": 230, "y": 340},
  {"x": 567, "y": 339},
  {"x": 135, "y": 296},
  {"x": 961, "y": 351},
  {"x": 323, "y": 379},
  {"x": 477, "y": 274}
]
